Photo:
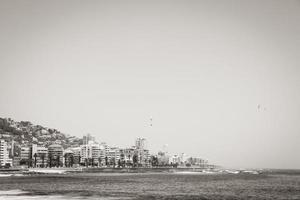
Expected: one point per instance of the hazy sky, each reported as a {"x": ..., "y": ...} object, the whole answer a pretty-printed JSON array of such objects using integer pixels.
[{"x": 221, "y": 80}]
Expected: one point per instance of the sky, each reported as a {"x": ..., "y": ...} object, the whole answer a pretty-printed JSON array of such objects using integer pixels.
[{"x": 220, "y": 79}]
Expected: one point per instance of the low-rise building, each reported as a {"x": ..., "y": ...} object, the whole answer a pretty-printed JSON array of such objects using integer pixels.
[
  {"x": 199, "y": 162},
  {"x": 104, "y": 149},
  {"x": 25, "y": 156},
  {"x": 68, "y": 158},
  {"x": 113, "y": 155},
  {"x": 175, "y": 159},
  {"x": 128, "y": 154},
  {"x": 76, "y": 156},
  {"x": 163, "y": 158},
  {"x": 39, "y": 156},
  {"x": 55, "y": 154},
  {"x": 90, "y": 153},
  {"x": 25, "y": 153}
]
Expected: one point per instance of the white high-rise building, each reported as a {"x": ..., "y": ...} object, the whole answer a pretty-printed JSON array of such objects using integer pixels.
[
  {"x": 88, "y": 138},
  {"x": 140, "y": 143},
  {"x": 4, "y": 154},
  {"x": 141, "y": 150}
]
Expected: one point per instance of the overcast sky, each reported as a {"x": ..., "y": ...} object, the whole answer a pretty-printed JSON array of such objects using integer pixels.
[{"x": 221, "y": 80}]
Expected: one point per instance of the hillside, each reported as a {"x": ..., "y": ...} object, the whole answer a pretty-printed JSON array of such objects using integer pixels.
[{"x": 24, "y": 133}]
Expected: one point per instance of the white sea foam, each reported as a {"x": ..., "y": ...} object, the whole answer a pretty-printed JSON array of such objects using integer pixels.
[
  {"x": 48, "y": 171},
  {"x": 11, "y": 192},
  {"x": 193, "y": 173},
  {"x": 23, "y": 195},
  {"x": 5, "y": 175}
]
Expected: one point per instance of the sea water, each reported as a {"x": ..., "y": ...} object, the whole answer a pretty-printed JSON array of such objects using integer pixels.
[{"x": 151, "y": 186}]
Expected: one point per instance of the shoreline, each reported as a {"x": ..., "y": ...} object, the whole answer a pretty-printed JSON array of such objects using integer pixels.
[{"x": 30, "y": 171}]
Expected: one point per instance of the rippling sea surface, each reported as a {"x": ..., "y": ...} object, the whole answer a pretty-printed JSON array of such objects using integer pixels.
[{"x": 152, "y": 186}]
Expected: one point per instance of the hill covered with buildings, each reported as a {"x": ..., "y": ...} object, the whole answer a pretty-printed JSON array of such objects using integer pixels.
[{"x": 24, "y": 133}]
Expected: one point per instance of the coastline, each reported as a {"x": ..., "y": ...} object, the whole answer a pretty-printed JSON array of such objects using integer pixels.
[{"x": 141, "y": 170}]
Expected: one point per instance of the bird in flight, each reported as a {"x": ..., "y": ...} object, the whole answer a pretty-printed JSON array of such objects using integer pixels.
[{"x": 259, "y": 107}]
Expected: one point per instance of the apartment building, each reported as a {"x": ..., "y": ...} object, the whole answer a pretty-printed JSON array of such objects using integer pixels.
[
  {"x": 4, "y": 154},
  {"x": 39, "y": 155}
]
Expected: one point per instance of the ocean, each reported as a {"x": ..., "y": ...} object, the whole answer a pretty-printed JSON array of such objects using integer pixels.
[{"x": 165, "y": 186}]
